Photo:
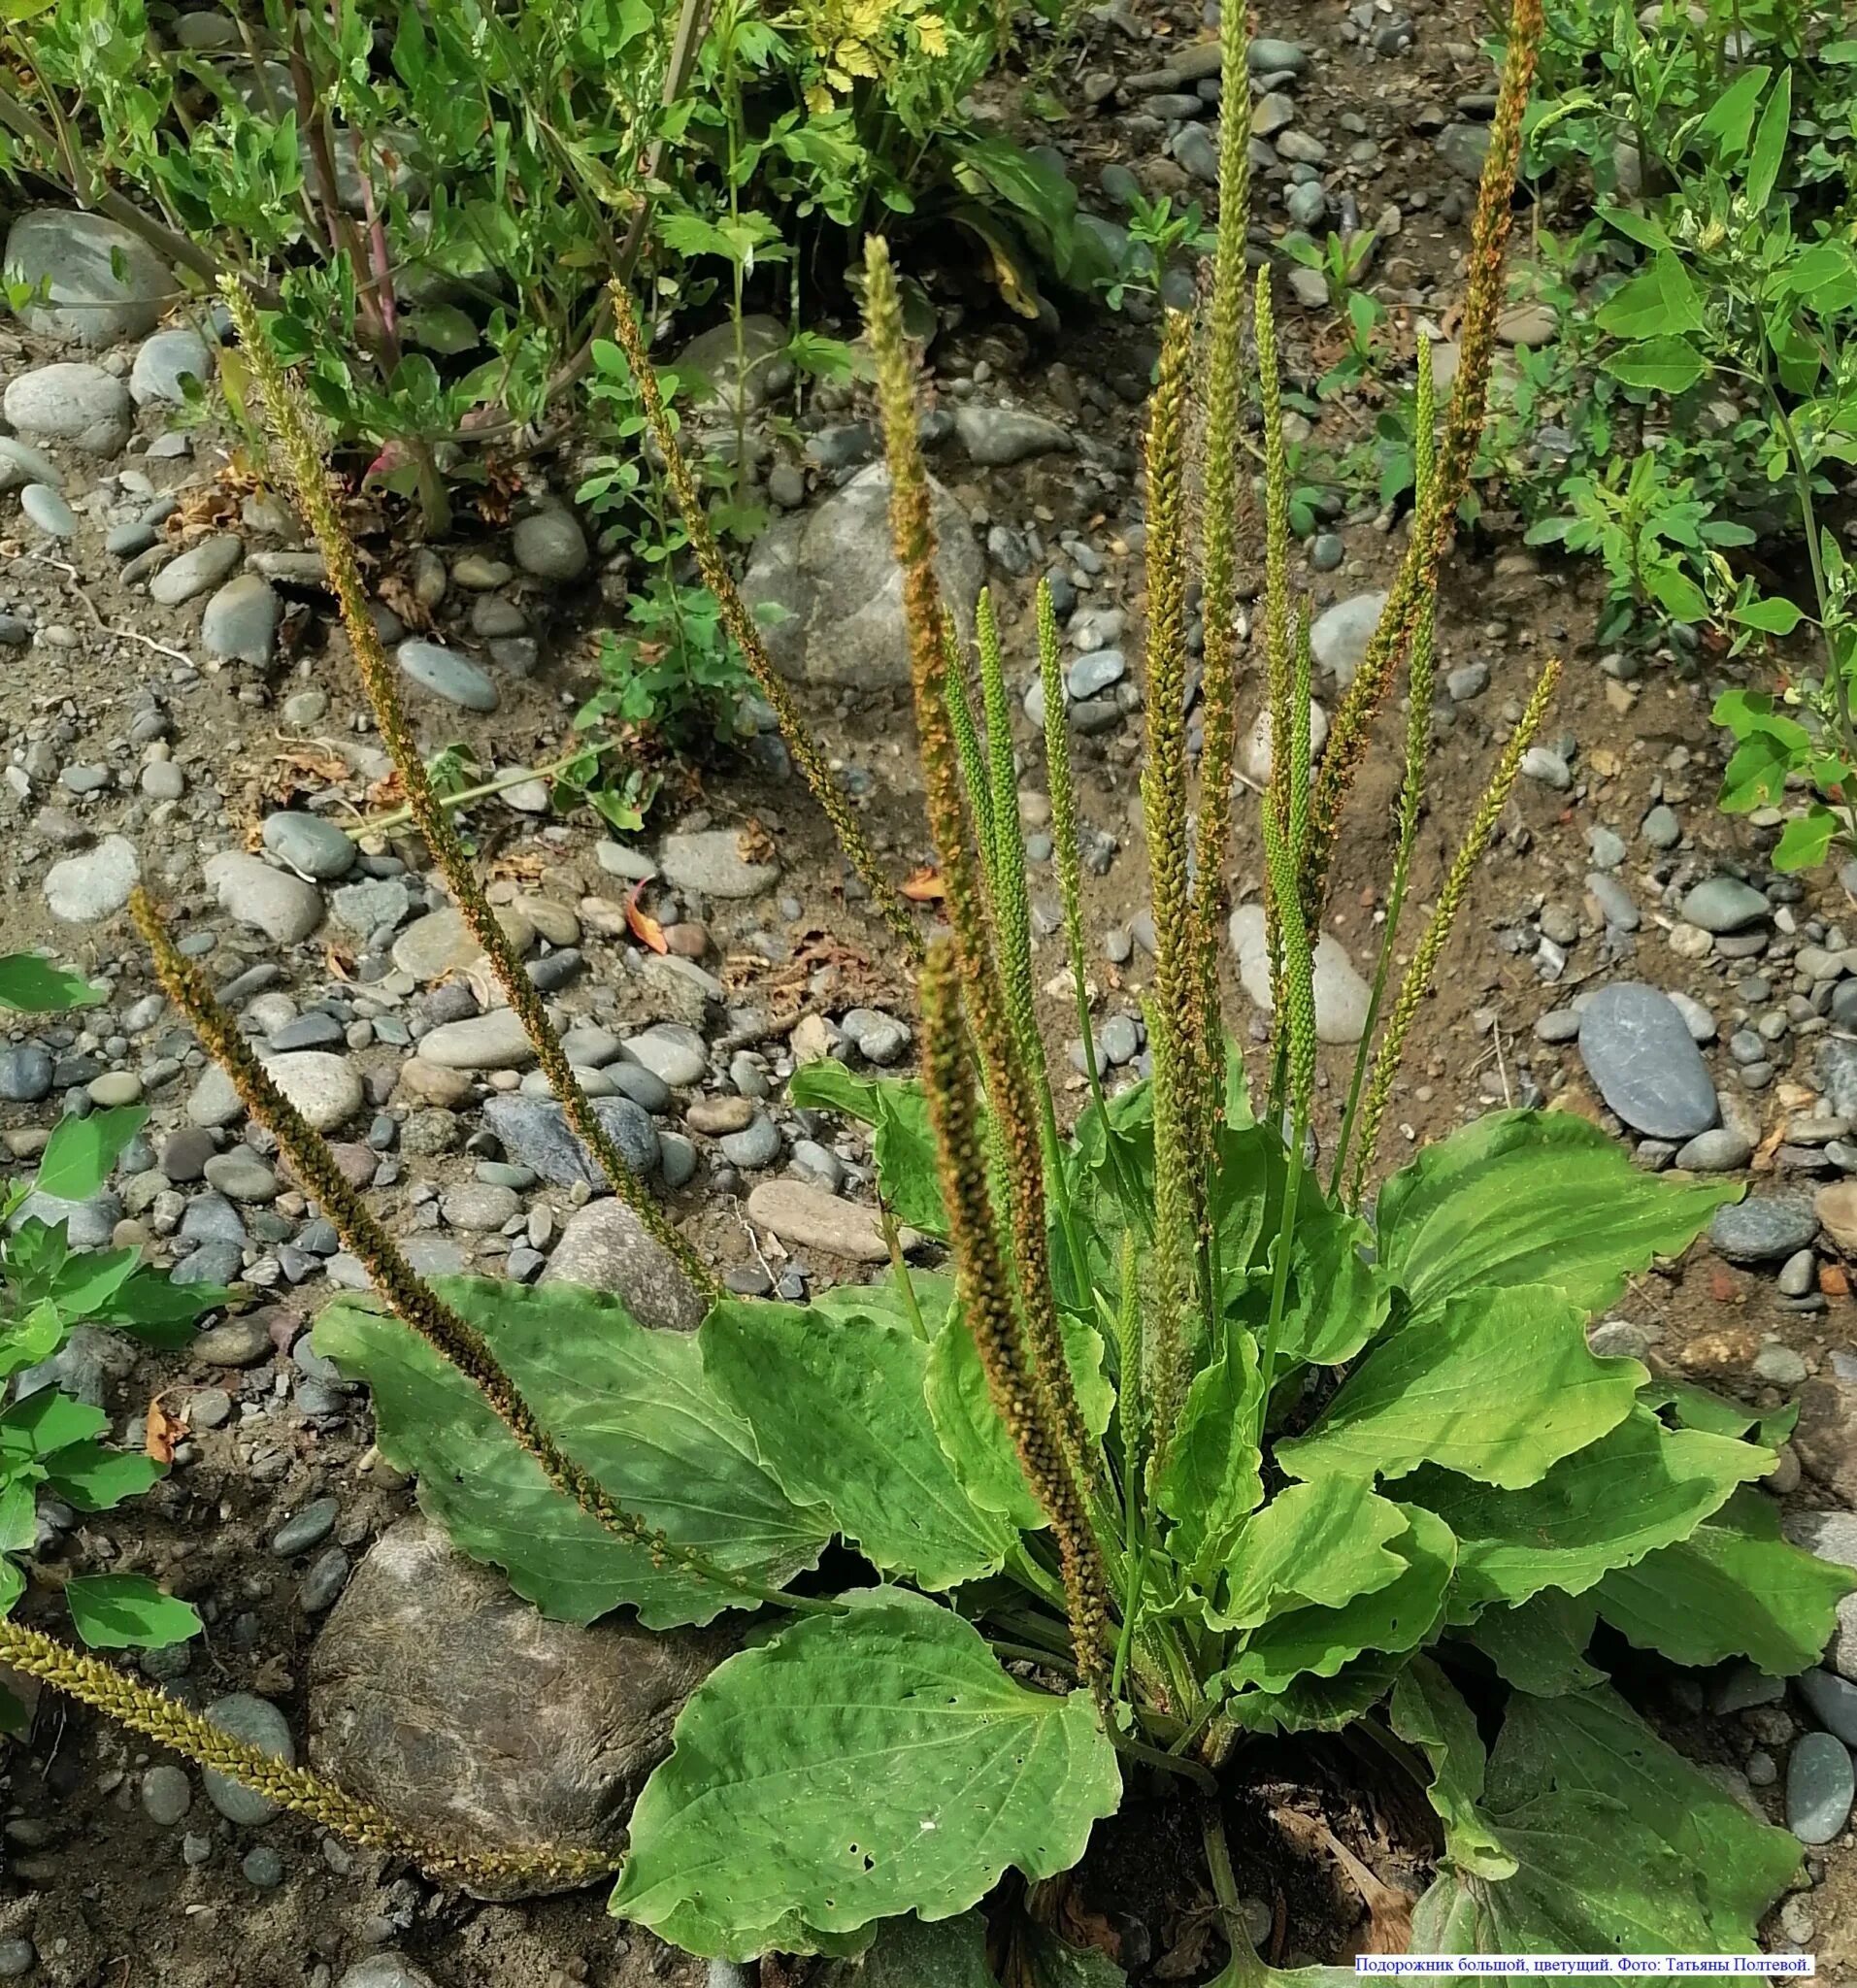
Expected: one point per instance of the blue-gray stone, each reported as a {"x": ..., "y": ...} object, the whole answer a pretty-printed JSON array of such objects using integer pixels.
[
  {"x": 25, "y": 1075},
  {"x": 259, "y": 1723},
  {"x": 1820, "y": 1785},
  {"x": 1724, "y": 904},
  {"x": 306, "y": 1529},
  {"x": 1637, "y": 1050},
  {"x": 1091, "y": 675},
  {"x": 49, "y": 511},
  {"x": 309, "y": 843},
  {"x": 756, "y": 1145},
  {"x": 1766, "y": 1230},
  {"x": 446, "y": 674},
  {"x": 534, "y": 1132},
  {"x": 1833, "y": 1701},
  {"x": 213, "y": 1263}
]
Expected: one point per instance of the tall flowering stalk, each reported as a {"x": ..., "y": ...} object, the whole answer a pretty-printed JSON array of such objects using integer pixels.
[
  {"x": 293, "y": 426},
  {"x": 1174, "y": 1008},
  {"x": 1416, "y": 586},
  {"x": 1014, "y": 1111},
  {"x": 1450, "y": 900},
  {"x": 740, "y": 622},
  {"x": 987, "y": 1307}
]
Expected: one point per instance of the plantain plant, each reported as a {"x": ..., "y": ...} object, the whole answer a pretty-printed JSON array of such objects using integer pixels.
[{"x": 1197, "y": 1442}]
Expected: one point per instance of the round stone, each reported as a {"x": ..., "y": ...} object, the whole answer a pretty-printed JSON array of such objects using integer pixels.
[
  {"x": 551, "y": 544},
  {"x": 100, "y": 283},
  {"x": 478, "y": 1205},
  {"x": 240, "y": 621},
  {"x": 49, "y": 511},
  {"x": 85, "y": 889},
  {"x": 263, "y": 1868},
  {"x": 284, "y": 908},
  {"x": 1725, "y": 905},
  {"x": 1767, "y": 1229},
  {"x": 71, "y": 402},
  {"x": 756, "y": 1147},
  {"x": 164, "y": 364},
  {"x": 260, "y": 1724},
  {"x": 1820, "y": 1786},
  {"x": 25, "y": 1075},
  {"x": 166, "y": 1795},
  {"x": 311, "y": 845},
  {"x": 446, "y": 674}
]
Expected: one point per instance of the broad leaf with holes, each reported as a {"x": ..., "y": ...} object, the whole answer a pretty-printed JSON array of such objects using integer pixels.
[
  {"x": 631, "y": 1406},
  {"x": 1532, "y": 1198},
  {"x": 857, "y": 1766}
]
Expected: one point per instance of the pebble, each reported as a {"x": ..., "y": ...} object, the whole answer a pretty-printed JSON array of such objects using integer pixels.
[
  {"x": 755, "y": 1146},
  {"x": 1720, "y": 1150},
  {"x": 87, "y": 889},
  {"x": 1662, "y": 829},
  {"x": 235, "y": 1343},
  {"x": 1615, "y": 902},
  {"x": 260, "y": 1724},
  {"x": 1542, "y": 763},
  {"x": 240, "y": 621},
  {"x": 197, "y": 569},
  {"x": 496, "y": 1040},
  {"x": 284, "y": 908},
  {"x": 325, "y": 1088},
  {"x": 1779, "y": 1366},
  {"x": 1466, "y": 682},
  {"x": 478, "y": 1207},
  {"x": 534, "y": 1132},
  {"x": 166, "y": 1795},
  {"x": 1119, "y": 1040},
  {"x": 386, "y": 1971},
  {"x": 307, "y": 1529},
  {"x": 17, "y": 1956},
  {"x": 810, "y": 1218},
  {"x": 1637, "y": 1050},
  {"x": 263, "y": 1868},
  {"x": 710, "y": 862},
  {"x": 241, "y": 1176},
  {"x": 879, "y": 1038},
  {"x": 1257, "y": 747},
  {"x": 1820, "y": 1786},
  {"x": 1092, "y": 674},
  {"x": 1764, "y": 1229},
  {"x": 1338, "y": 640},
  {"x": 25, "y": 1075},
  {"x": 328, "y": 1574},
  {"x": 49, "y": 511},
  {"x": 673, "y": 1053},
  {"x": 164, "y": 362},
  {"x": 446, "y": 674},
  {"x": 1341, "y": 995},
  {"x": 551, "y": 544},
  {"x": 70, "y": 401},
  {"x": 1725, "y": 905}
]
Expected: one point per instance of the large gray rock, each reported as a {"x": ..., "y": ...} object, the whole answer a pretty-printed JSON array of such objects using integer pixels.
[
  {"x": 1339, "y": 639},
  {"x": 83, "y": 889},
  {"x": 720, "y": 372},
  {"x": 710, "y": 861},
  {"x": 283, "y": 907},
  {"x": 240, "y": 621},
  {"x": 1637, "y": 1050},
  {"x": 101, "y": 283},
  {"x": 74, "y": 401},
  {"x": 534, "y": 1132},
  {"x": 606, "y": 1248},
  {"x": 1341, "y": 996},
  {"x": 838, "y": 591},
  {"x": 442, "y": 1697}
]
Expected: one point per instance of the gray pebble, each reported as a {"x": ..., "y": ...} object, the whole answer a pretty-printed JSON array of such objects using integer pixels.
[
  {"x": 262, "y": 1725},
  {"x": 1820, "y": 1785},
  {"x": 306, "y": 1529},
  {"x": 166, "y": 1795}
]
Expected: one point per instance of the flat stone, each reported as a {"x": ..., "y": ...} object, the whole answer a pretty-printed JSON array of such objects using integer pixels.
[
  {"x": 240, "y": 621},
  {"x": 166, "y": 1795},
  {"x": 283, "y": 907},
  {"x": 551, "y": 544},
  {"x": 199, "y": 568},
  {"x": 534, "y": 1132},
  {"x": 324, "y": 1088},
  {"x": 45, "y": 508},
  {"x": 1257, "y": 746},
  {"x": 1820, "y": 1785},
  {"x": 711, "y": 861},
  {"x": 606, "y": 1248},
  {"x": 479, "y": 1207},
  {"x": 1338, "y": 640},
  {"x": 372, "y": 902},
  {"x": 440, "y": 1696},
  {"x": 1638, "y": 1050},
  {"x": 1719, "y": 1151},
  {"x": 165, "y": 362},
  {"x": 879, "y": 1038},
  {"x": 260, "y": 1724},
  {"x": 496, "y": 1040},
  {"x": 241, "y": 1176},
  {"x": 1837, "y": 1210},
  {"x": 446, "y": 674},
  {"x": 1725, "y": 905},
  {"x": 756, "y": 1145},
  {"x": 213, "y": 1100},
  {"x": 808, "y": 1218},
  {"x": 1341, "y": 995},
  {"x": 386, "y": 1971},
  {"x": 308, "y": 844},
  {"x": 101, "y": 283},
  {"x": 442, "y": 943},
  {"x": 306, "y": 1530},
  {"x": 85, "y": 889},
  {"x": 1764, "y": 1229},
  {"x": 995, "y": 436},
  {"x": 676, "y": 1055},
  {"x": 22, "y": 464},
  {"x": 25, "y": 1075},
  {"x": 72, "y": 402}
]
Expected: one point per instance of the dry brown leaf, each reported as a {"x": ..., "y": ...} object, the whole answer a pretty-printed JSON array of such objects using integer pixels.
[
  {"x": 755, "y": 843},
  {"x": 521, "y": 866},
  {"x": 645, "y": 928},
  {"x": 397, "y": 593},
  {"x": 161, "y": 1432},
  {"x": 924, "y": 887}
]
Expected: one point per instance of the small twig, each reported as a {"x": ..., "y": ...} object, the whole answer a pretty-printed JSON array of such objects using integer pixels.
[
  {"x": 509, "y": 776},
  {"x": 120, "y": 634},
  {"x": 756, "y": 1032}
]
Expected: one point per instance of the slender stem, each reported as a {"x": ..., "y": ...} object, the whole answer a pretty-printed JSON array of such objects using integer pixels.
[
  {"x": 1279, "y": 1268},
  {"x": 1185, "y": 1770},
  {"x": 1030, "y": 1653},
  {"x": 1246, "y": 1965},
  {"x": 509, "y": 776},
  {"x": 893, "y": 1242}
]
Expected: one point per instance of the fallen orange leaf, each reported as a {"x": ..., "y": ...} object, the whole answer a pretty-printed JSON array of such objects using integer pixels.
[
  {"x": 644, "y": 927},
  {"x": 924, "y": 887},
  {"x": 163, "y": 1432}
]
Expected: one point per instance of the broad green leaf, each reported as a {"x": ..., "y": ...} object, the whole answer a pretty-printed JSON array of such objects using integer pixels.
[
  {"x": 153, "y": 1307},
  {"x": 1664, "y": 365},
  {"x": 90, "y": 1278},
  {"x": 972, "y": 1437},
  {"x": 1532, "y": 1198},
  {"x": 907, "y": 1172},
  {"x": 1636, "y": 1488},
  {"x": 1731, "y": 117},
  {"x": 1806, "y": 840},
  {"x": 94, "y": 1478},
  {"x": 1734, "y": 1588},
  {"x": 1770, "y": 145},
  {"x": 1314, "y": 1546},
  {"x": 81, "y": 1152},
  {"x": 933, "y": 1294},
  {"x": 840, "y": 1418},
  {"x": 1700, "y": 1407},
  {"x": 858, "y": 1766},
  {"x": 1210, "y": 1483},
  {"x": 1658, "y": 303},
  {"x": 1428, "y": 1712},
  {"x": 31, "y": 985},
  {"x": 906, "y": 1954},
  {"x": 1497, "y": 1384},
  {"x": 47, "y": 1420},
  {"x": 1319, "y": 1705},
  {"x": 19, "y": 1514},
  {"x": 1396, "y": 1617},
  {"x": 121, "y": 1611},
  {"x": 1593, "y": 1742},
  {"x": 1540, "y": 1645},
  {"x": 1773, "y": 614},
  {"x": 16, "y": 1721},
  {"x": 27, "y": 1340},
  {"x": 12, "y": 1584},
  {"x": 631, "y": 1406}
]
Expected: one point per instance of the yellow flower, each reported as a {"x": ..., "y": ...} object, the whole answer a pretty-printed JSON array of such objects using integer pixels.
[
  {"x": 932, "y": 32},
  {"x": 855, "y": 58}
]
